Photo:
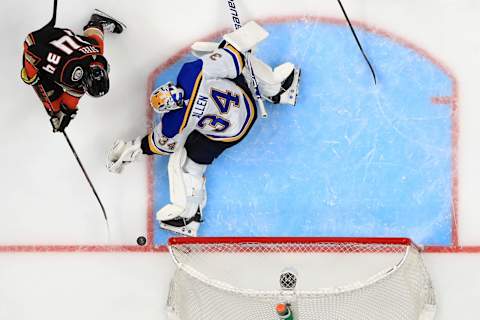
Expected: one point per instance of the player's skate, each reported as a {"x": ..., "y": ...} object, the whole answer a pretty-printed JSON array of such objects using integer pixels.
[
  {"x": 170, "y": 219},
  {"x": 108, "y": 22}
]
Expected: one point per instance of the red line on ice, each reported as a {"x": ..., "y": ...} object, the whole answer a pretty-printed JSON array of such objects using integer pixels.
[{"x": 442, "y": 100}]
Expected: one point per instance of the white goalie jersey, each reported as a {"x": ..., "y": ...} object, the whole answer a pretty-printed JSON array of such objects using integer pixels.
[{"x": 214, "y": 104}]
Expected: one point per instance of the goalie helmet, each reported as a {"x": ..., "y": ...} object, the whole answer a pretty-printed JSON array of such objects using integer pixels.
[{"x": 167, "y": 97}]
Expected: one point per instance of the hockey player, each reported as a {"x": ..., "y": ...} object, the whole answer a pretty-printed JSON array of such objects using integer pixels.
[
  {"x": 210, "y": 108},
  {"x": 63, "y": 65}
]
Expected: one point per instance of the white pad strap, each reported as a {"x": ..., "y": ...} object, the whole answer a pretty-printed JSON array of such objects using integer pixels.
[
  {"x": 246, "y": 37},
  {"x": 187, "y": 183}
]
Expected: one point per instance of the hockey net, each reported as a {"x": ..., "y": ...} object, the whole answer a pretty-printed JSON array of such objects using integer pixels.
[{"x": 333, "y": 279}]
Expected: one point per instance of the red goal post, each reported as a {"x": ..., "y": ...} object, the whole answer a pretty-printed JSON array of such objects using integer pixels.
[
  {"x": 175, "y": 241},
  {"x": 318, "y": 277}
]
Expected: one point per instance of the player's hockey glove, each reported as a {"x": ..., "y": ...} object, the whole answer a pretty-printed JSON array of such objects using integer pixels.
[{"x": 62, "y": 118}]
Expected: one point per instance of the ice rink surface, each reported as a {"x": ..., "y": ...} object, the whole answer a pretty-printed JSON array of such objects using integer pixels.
[
  {"x": 396, "y": 159},
  {"x": 360, "y": 159}
]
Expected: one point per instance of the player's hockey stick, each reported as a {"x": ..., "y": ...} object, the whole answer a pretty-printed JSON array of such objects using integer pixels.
[
  {"x": 48, "y": 107},
  {"x": 53, "y": 20},
  {"x": 237, "y": 24},
  {"x": 86, "y": 176},
  {"x": 358, "y": 42}
]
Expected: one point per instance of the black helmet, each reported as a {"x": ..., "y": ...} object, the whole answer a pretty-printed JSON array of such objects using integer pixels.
[{"x": 96, "y": 80}]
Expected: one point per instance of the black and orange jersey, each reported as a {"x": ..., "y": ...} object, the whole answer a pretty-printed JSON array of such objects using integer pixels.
[{"x": 59, "y": 55}]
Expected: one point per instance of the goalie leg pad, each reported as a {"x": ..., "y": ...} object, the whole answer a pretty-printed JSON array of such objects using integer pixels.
[
  {"x": 269, "y": 82},
  {"x": 187, "y": 195},
  {"x": 279, "y": 85},
  {"x": 186, "y": 182}
]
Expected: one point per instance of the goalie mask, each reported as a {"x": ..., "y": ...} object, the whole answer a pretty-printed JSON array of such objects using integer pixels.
[{"x": 167, "y": 97}]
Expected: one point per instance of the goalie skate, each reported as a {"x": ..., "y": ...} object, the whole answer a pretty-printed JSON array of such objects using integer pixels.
[
  {"x": 289, "y": 90},
  {"x": 184, "y": 226}
]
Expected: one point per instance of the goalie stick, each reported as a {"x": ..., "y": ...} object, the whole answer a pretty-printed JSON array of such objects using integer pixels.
[
  {"x": 52, "y": 21},
  {"x": 237, "y": 24}
]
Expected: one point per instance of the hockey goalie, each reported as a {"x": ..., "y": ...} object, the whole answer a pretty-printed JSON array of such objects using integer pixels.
[{"x": 208, "y": 109}]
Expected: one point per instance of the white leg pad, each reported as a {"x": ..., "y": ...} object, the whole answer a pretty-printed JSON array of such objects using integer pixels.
[
  {"x": 187, "y": 187},
  {"x": 269, "y": 81},
  {"x": 187, "y": 183},
  {"x": 169, "y": 212},
  {"x": 283, "y": 71}
]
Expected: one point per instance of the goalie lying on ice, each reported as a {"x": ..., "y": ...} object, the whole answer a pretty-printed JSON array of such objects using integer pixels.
[{"x": 209, "y": 109}]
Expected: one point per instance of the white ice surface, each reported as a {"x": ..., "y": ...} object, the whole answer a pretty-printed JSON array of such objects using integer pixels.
[
  {"x": 117, "y": 286},
  {"x": 44, "y": 199}
]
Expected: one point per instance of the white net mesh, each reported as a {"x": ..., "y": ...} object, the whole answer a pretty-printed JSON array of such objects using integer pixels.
[{"x": 335, "y": 280}]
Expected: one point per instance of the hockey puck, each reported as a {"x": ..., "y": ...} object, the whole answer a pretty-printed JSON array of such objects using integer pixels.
[{"x": 141, "y": 240}]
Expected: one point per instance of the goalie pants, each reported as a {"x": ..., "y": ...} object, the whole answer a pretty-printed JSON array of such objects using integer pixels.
[{"x": 203, "y": 150}]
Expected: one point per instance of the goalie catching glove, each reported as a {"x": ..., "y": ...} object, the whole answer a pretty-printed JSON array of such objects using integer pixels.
[{"x": 123, "y": 153}]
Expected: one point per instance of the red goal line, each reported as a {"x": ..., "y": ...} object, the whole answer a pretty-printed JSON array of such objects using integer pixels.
[{"x": 162, "y": 249}]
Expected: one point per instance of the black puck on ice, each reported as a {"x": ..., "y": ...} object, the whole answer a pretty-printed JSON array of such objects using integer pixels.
[{"x": 141, "y": 240}]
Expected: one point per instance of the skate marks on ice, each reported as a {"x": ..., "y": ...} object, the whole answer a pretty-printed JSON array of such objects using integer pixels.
[{"x": 351, "y": 159}]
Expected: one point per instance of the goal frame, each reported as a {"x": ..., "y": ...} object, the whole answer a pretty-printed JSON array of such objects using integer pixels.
[
  {"x": 360, "y": 240},
  {"x": 291, "y": 245}
]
